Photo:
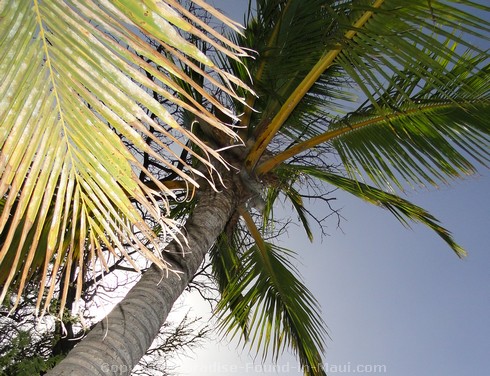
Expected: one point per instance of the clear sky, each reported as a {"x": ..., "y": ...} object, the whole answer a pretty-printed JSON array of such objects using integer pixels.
[{"x": 397, "y": 302}]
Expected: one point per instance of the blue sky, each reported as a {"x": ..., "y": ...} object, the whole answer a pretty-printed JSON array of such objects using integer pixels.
[{"x": 397, "y": 302}]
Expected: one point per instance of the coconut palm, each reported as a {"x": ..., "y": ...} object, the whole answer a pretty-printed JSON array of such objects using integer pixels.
[{"x": 420, "y": 120}]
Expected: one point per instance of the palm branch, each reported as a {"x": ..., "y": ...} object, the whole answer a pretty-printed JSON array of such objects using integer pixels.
[
  {"x": 347, "y": 54},
  {"x": 263, "y": 299},
  {"x": 76, "y": 92}
]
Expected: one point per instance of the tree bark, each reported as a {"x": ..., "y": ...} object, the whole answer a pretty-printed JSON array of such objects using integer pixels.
[{"x": 116, "y": 344}]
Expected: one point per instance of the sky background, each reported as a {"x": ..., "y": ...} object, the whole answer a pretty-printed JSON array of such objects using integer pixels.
[{"x": 391, "y": 297}]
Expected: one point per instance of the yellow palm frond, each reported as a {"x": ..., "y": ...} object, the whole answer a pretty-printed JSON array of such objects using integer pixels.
[{"x": 75, "y": 91}]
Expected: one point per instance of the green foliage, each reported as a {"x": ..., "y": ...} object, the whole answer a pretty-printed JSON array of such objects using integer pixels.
[
  {"x": 18, "y": 359},
  {"x": 402, "y": 209},
  {"x": 79, "y": 107},
  {"x": 276, "y": 306},
  {"x": 397, "y": 91},
  {"x": 417, "y": 66},
  {"x": 417, "y": 134}
]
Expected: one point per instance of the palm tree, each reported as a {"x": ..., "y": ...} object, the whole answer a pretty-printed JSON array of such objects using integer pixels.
[{"x": 421, "y": 120}]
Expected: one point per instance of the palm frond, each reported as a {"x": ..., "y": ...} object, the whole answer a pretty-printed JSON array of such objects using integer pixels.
[
  {"x": 296, "y": 200},
  {"x": 281, "y": 311},
  {"x": 402, "y": 209},
  {"x": 227, "y": 263},
  {"x": 367, "y": 44},
  {"x": 315, "y": 61},
  {"x": 413, "y": 134},
  {"x": 431, "y": 137},
  {"x": 75, "y": 89}
]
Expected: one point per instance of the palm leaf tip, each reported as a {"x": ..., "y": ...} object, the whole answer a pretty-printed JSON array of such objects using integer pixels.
[{"x": 402, "y": 209}]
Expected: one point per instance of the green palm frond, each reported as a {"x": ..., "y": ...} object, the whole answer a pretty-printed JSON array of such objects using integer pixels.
[
  {"x": 279, "y": 310},
  {"x": 413, "y": 38},
  {"x": 74, "y": 91},
  {"x": 427, "y": 138},
  {"x": 289, "y": 38},
  {"x": 297, "y": 201},
  {"x": 367, "y": 44},
  {"x": 402, "y": 209},
  {"x": 227, "y": 262},
  {"x": 413, "y": 134}
]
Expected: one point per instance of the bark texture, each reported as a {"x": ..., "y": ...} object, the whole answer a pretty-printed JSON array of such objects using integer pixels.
[{"x": 116, "y": 344}]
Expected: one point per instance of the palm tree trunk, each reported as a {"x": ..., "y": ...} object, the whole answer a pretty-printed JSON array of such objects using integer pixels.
[{"x": 116, "y": 344}]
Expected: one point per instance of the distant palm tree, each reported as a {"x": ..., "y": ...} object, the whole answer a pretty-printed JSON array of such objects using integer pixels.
[{"x": 418, "y": 67}]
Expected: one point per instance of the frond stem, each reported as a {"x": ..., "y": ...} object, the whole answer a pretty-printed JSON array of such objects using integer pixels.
[
  {"x": 250, "y": 101},
  {"x": 274, "y": 161},
  {"x": 48, "y": 60},
  {"x": 254, "y": 231},
  {"x": 287, "y": 108}
]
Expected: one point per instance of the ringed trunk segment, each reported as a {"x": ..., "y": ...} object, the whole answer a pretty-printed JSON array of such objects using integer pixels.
[{"x": 117, "y": 343}]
